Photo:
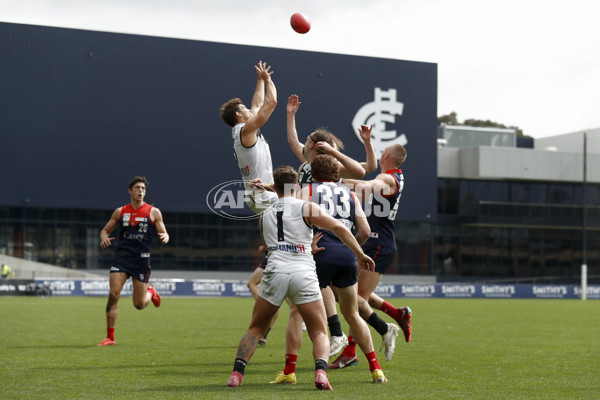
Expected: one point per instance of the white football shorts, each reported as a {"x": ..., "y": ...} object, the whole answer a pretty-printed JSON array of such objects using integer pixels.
[{"x": 301, "y": 287}]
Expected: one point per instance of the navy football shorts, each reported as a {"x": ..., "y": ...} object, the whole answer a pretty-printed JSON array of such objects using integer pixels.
[
  {"x": 383, "y": 257},
  {"x": 142, "y": 274},
  {"x": 340, "y": 276}
]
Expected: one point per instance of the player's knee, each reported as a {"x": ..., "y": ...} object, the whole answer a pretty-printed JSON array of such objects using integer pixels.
[
  {"x": 140, "y": 305},
  {"x": 113, "y": 298}
]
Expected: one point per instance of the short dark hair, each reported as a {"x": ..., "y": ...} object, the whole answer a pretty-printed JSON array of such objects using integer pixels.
[
  {"x": 284, "y": 177},
  {"x": 228, "y": 111},
  {"x": 325, "y": 168},
  {"x": 138, "y": 179}
]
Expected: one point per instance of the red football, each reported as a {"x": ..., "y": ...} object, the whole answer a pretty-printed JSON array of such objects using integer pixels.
[{"x": 300, "y": 23}]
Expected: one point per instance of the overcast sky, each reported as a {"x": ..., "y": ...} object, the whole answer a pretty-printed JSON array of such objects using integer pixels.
[{"x": 534, "y": 64}]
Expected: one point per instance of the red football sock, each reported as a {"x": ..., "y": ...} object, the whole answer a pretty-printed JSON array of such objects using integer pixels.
[
  {"x": 290, "y": 363},
  {"x": 110, "y": 333},
  {"x": 373, "y": 363},
  {"x": 390, "y": 310},
  {"x": 350, "y": 349}
]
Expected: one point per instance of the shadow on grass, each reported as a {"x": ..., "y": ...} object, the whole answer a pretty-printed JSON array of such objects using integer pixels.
[{"x": 247, "y": 389}]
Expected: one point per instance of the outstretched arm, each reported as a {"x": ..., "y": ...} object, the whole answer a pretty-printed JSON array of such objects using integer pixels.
[
  {"x": 371, "y": 164},
  {"x": 262, "y": 104},
  {"x": 292, "y": 135},
  {"x": 316, "y": 216},
  {"x": 383, "y": 184},
  {"x": 349, "y": 167}
]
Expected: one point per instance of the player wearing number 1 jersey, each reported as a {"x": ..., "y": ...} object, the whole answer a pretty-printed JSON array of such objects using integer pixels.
[
  {"x": 138, "y": 221},
  {"x": 286, "y": 228}
]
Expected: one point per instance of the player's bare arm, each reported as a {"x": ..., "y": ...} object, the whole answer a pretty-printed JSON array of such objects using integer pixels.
[
  {"x": 349, "y": 168},
  {"x": 370, "y": 164},
  {"x": 319, "y": 218},
  {"x": 292, "y": 135},
  {"x": 383, "y": 184},
  {"x": 159, "y": 224},
  {"x": 259, "y": 92},
  {"x": 260, "y": 114},
  {"x": 259, "y": 184},
  {"x": 105, "y": 241},
  {"x": 360, "y": 222}
]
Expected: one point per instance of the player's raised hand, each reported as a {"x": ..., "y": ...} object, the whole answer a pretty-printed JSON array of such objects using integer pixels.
[
  {"x": 365, "y": 132},
  {"x": 324, "y": 148},
  {"x": 104, "y": 243},
  {"x": 263, "y": 71},
  {"x": 293, "y": 104}
]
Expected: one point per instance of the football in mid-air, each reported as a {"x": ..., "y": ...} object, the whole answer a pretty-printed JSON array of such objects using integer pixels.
[{"x": 300, "y": 23}]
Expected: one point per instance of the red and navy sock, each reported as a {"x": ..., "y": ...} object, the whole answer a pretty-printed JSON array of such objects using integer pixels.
[{"x": 110, "y": 333}]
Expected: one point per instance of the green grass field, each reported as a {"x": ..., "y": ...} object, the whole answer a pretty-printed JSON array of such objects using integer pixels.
[{"x": 461, "y": 349}]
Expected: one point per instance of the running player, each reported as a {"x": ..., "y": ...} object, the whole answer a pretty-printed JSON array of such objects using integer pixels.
[
  {"x": 287, "y": 232},
  {"x": 138, "y": 221}
]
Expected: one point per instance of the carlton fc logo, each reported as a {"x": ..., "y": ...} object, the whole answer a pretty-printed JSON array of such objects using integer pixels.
[{"x": 380, "y": 113}]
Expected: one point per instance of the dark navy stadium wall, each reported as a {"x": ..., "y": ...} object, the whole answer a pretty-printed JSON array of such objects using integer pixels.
[{"x": 82, "y": 112}]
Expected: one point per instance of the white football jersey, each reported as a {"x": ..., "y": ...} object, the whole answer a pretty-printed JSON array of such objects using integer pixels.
[
  {"x": 287, "y": 236},
  {"x": 254, "y": 161}
]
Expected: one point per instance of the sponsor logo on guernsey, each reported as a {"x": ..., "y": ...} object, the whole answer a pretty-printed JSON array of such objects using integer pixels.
[
  {"x": 291, "y": 248},
  {"x": 245, "y": 170},
  {"x": 141, "y": 219},
  {"x": 145, "y": 255},
  {"x": 133, "y": 236},
  {"x": 126, "y": 218},
  {"x": 381, "y": 113}
]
